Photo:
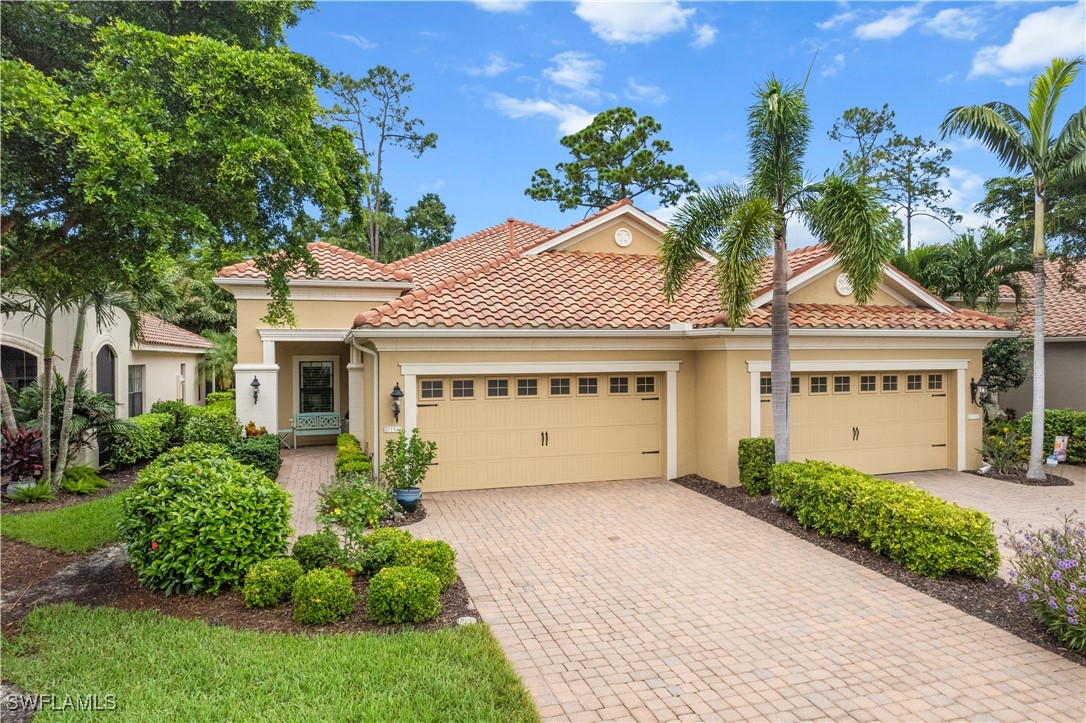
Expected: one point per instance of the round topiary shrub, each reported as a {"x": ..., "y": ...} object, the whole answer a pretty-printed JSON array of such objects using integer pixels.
[
  {"x": 436, "y": 556},
  {"x": 404, "y": 595},
  {"x": 379, "y": 549},
  {"x": 213, "y": 425},
  {"x": 323, "y": 596},
  {"x": 197, "y": 520},
  {"x": 271, "y": 582},
  {"x": 317, "y": 550}
]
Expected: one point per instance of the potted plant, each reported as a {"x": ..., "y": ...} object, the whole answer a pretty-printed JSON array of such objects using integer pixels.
[{"x": 404, "y": 467}]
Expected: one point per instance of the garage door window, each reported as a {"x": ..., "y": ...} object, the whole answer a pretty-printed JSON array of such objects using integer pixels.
[
  {"x": 560, "y": 387},
  {"x": 527, "y": 387},
  {"x": 463, "y": 388},
  {"x": 795, "y": 385},
  {"x": 765, "y": 386},
  {"x": 914, "y": 382},
  {"x": 646, "y": 385},
  {"x": 588, "y": 386},
  {"x": 497, "y": 388},
  {"x": 432, "y": 389},
  {"x": 889, "y": 382},
  {"x": 867, "y": 383},
  {"x": 819, "y": 385},
  {"x": 620, "y": 385},
  {"x": 935, "y": 382},
  {"x": 842, "y": 385}
]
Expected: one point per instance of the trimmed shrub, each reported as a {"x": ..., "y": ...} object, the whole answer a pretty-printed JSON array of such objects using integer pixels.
[
  {"x": 213, "y": 426},
  {"x": 82, "y": 480},
  {"x": 404, "y": 595},
  {"x": 323, "y": 596},
  {"x": 221, "y": 398},
  {"x": 196, "y": 520},
  {"x": 261, "y": 452},
  {"x": 145, "y": 439},
  {"x": 1058, "y": 423},
  {"x": 376, "y": 550},
  {"x": 317, "y": 550},
  {"x": 436, "y": 556},
  {"x": 180, "y": 413},
  {"x": 756, "y": 459},
  {"x": 271, "y": 582},
  {"x": 350, "y": 459},
  {"x": 910, "y": 526},
  {"x": 354, "y": 502}
]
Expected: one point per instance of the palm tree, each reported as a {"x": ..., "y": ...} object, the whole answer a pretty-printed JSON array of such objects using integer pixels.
[
  {"x": 217, "y": 364},
  {"x": 975, "y": 272},
  {"x": 741, "y": 226},
  {"x": 1024, "y": 141}
]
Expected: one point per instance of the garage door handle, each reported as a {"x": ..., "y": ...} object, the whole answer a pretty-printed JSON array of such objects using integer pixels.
[
  {"x": 541, "y": 439},
  {"x": 655, "y": 451},
  {"x": 650, "y": 399},
  {"x": 938, "y": 395},
  {"x": 420, "y": 406},
  {"x": 546, "y": 439},
  {"x": 938, "y": 445},
  {"x": 855, "y": 434}
]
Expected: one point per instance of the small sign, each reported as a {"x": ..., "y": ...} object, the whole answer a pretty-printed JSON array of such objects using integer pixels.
[
  {"x": 393, "y": 430},
  {"x": 1059, "y": 449}
]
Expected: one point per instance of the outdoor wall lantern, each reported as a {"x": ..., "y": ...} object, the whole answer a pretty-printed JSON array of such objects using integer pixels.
[
  {"x": 978, "y": 390},
  {"x": 255, "y": 384},
  {"x": 397, "y": 395}
]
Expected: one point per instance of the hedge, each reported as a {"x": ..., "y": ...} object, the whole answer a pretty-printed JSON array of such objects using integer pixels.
[
  {"x": 149, "y": 436},
  {"x": 213, "y": 425},
  {"x": 1058, "y": 423},
  {"x": 756, "y": 458},
  {"x": 350, "y": 459},
  {"x": 929, "y": 536},
  {"x": 261, "y": 452},
  {"x": 180, "y": 413}
]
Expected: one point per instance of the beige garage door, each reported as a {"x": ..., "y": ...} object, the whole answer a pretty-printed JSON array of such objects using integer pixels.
[
  {"x": 537, "y": 430},
  {"x": 877, "y": 422}
]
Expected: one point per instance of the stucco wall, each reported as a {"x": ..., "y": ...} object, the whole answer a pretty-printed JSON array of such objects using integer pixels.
[
  {"x": 310, "y": 314},
  {"x": 602, "y": 240},
  {"x": 1065, "y": 380},
  {"x": 823, "y": 290}
]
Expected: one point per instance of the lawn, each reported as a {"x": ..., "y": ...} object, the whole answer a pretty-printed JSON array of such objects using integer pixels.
[
  {"x": 78, "y": 528},
  {"x": 162, "y": 668}
]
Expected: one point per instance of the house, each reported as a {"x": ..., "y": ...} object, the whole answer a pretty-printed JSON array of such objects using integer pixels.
[
  {"x": 534, "y": 356},
  {"x": 159, "y": 362},
  {"x": 1065, "y": 342}
]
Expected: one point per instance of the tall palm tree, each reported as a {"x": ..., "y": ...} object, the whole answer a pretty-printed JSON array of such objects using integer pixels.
[
  {"x": 1024, "y": 141},
  {"x": 741, "y": 226}
]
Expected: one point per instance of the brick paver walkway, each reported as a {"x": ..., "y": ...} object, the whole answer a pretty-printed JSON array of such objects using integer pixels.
[
  {"x": 642, "y": 600},
  {"x": 303, "y": 472}
]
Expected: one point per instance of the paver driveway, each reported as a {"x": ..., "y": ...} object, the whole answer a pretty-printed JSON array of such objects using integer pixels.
[{"x": 642, "y": 600}]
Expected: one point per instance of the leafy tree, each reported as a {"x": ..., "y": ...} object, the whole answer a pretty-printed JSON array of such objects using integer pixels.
[
  {"x": 864, "y": 128},
  {"x": 1005, "y": 365},
  {"x": 910, "y": 171},
  {"x": 744, "y": 226},
  {"x": 430, "y": 221},
  {"x": 1024, "y": 141},
  {"x": 613, "y": 159},
  {"x": 1009, "y": 201},
  {"x": 374, "y": 111}
]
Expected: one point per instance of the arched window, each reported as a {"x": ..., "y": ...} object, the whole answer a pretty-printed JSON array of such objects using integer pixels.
[
  {"x": 19, "y": 367},
  {"x": 105, "y": 372}
]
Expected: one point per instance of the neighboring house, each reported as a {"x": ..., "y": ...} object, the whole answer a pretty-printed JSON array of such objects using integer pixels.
[
  {"x": 534, "y": 356},
  {"x": 1065, "y": 342},
  {"x": 160, "y": 364}
]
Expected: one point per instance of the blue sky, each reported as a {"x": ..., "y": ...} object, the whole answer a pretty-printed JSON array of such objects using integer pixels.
[{"x": 501, "y": 82}]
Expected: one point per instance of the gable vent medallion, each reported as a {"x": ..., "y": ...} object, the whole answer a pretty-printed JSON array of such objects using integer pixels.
[
  {"x": 844, "y": 286},
  {"x": 623, "y": 237}
]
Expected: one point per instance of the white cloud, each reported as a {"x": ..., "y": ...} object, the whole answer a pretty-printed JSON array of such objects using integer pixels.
[
  {"x": 358, "y": 40},
  {"x": 571, "y": 118},
  {"x": 955, "y": 23},
  {"x": 890, "y": 25},
  {"x": 836, "y": 20},
  {"x": 1039, "y": 37},
  {"x": 501, "y": 6},
  {"x": 576, "y": 72},
  {"x": 633, "y": 22},
  {"x": 837, "y": 62},
  {"x": 496, "y": 65},
  {"x": 704, "y": 36},
  {"x": 647, "y": 92}
]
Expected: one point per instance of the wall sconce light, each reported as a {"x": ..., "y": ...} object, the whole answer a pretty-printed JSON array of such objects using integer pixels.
[
  {"x": 978, "y": 390},
  {"x": 255, "y": 384},
  {"x": 397, "y": 395}
]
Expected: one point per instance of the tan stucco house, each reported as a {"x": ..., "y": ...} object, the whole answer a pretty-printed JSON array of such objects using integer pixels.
[{"x": 534, "y": 356}]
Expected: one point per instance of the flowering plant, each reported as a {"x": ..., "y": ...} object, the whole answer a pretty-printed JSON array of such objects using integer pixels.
[
  {"x": 1049, "y": 573},
  {"x": 354, "y": 502},
  {"x": 1000, "y": 448}
]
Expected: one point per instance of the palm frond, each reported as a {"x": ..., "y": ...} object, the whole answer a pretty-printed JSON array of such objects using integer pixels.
[
  {"x": 1044, "y": 96},
  {"x": 779, "y": 129},
  {"x": 1072, "y": 138},
  {"x": 746, "y": 241},
  {"x": 696, "y": 227},
  {"x": 998, "y": 126}
]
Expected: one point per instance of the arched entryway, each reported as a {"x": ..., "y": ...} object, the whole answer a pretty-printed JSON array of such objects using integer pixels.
[{"x": 105, "y": 382}]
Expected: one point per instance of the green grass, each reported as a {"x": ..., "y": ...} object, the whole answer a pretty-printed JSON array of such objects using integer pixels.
[
  {"x": 78, "y": 528},
  {"x": 162, "y": 668}
]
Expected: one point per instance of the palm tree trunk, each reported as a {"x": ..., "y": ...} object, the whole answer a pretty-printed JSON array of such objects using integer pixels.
[
  {"x": 47, "y": 399},
  {"x": 69, "y": 393},
  {"x": 5, "y": 402},
  {"x": 1036, "y": 470},
  {"x": 780, "y": 359}
]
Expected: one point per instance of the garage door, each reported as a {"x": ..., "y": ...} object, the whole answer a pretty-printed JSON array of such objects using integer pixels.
[
  {"x": 535, "y": 430},
  {"x": 877, "y": 422}
]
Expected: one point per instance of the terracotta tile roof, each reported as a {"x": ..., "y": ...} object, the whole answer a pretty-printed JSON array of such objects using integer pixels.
[
  {"x": 156, "y": 332},
  {"x": 470, "y": 252},
  {"x": 1065, "y": 308},
  {"x": 572, "y": 290},
  {"x": 336, "y": 264},
  {"x": 847, "y": 316},
  {"x": 799, "y": 260}
]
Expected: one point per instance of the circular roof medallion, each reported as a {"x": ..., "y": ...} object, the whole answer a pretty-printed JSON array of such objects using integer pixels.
[
  {"x": 623, "y": 237},
  {"x": 844, "y": 286}
]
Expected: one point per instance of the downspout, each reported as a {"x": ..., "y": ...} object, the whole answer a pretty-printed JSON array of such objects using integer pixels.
[{"x": 376, "y": 409}]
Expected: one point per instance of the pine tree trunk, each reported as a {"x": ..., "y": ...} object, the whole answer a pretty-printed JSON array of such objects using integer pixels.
[
  {"x": 47, "y": 400},
  {"x": 780, "y": 361},
  {"x": 1036, "y": 470},
  {"x": 69, "y": 393},
  {"x": 5, "y": 402}
]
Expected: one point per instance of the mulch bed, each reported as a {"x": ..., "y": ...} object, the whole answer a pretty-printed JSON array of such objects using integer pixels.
[
  {"x": 119, "y": 480},
  {"x": 23, "y": 565},
  {"x": 1050, "y": 480},
  {"x": 992, "y": 600},
  {"x": 407, "y": 519}
]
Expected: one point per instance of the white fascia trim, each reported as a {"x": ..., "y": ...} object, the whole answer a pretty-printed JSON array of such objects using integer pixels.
[
  {"x": 935, "y": 333},
  {"x": 862, "y": 365},
  {"x": 1059, "y": 339},
  {"x": 515, "y": 368},
  {"x": 139, "y": 348},
  {"x": 416, "y": 332},
  {"x": 267, "y": 368},
  {"x": 304, "y": 335},
  {"x": 920, "y": 292},
  {"x": 332, "y": 283},
  {"x": 798, "y": 280}
]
